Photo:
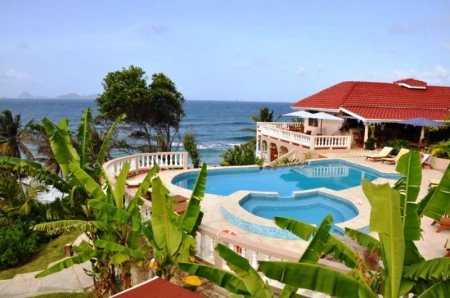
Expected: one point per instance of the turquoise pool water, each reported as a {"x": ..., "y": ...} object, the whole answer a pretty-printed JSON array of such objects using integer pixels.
[
  {"x": 332, "y": 174},
  {"x": 311, "y": 207}
]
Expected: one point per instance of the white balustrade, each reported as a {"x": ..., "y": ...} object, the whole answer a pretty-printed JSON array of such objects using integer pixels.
[
  {"x": 145, "y": 161},
  {"x": 280, "y": 131}
]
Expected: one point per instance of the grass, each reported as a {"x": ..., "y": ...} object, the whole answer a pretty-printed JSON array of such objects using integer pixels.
[
  {"x": 53, "y": 252},
  {"x": 66, "y": 295}
]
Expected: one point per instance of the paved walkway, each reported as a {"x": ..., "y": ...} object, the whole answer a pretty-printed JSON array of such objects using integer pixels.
[{"x": 72, "y": 279}]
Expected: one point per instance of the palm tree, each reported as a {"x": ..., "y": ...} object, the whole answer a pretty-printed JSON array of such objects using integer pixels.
[
  {"x": 265, "y": 115},
  {"x": 13, "y": 136},
  {"x": 39, "y": 138}
]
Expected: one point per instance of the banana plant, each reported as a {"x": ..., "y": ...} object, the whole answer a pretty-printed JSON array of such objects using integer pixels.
[
  {"x": 115, "y": 233},
  {"x": 396, "y": 218},
  {"x": 174, "y": 235},
  {"x": 246, "y": 280}
]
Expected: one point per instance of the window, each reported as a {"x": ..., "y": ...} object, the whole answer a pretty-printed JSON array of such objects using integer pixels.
[{"x": 313, "y": 122}]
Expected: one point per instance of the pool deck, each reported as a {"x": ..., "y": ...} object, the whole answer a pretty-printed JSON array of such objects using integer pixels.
[{"x": 431, "y": 246}]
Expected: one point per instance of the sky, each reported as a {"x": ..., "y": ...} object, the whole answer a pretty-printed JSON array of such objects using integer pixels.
[{"x": 247, "y": 50}]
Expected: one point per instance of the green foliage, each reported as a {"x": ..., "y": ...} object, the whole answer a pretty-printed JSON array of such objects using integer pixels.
[
  {"x": 441, "y": 149},
  {"x": 240, "y": 155},
  {"x": 286, "y": 161},
  {"x": 18, "y": 243},
  {"x": 190, "y": 145},
  {"x": 370, "y": 144},
  {"x": 156, "y": 109},
  {"x": 397, "y": 145},
  {"x": 173, "y": 235},
  {"x": 13, "y": 136}
]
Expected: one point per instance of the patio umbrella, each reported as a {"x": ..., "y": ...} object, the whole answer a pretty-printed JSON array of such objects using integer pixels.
[
  {"x": 299, "y": 113},
  {"x": 325, "y": 116},
  {"x": 421, "y": 121}
]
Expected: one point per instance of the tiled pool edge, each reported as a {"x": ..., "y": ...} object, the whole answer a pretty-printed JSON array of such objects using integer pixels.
[{"x": 257, "y": 228}]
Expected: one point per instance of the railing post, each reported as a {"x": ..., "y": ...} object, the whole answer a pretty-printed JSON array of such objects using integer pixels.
[
  {"x": 255, "y": 259},
  {"x": 202, "y": 244}
]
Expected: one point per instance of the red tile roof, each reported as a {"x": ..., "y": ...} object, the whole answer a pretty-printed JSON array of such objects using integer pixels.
[
  {"x": 402, "y": 99},
  {"x": 156, "y": 288}
]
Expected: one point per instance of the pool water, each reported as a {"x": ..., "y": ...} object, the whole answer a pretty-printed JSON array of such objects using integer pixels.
[
  {"x": 310, "y": 207},
  {"x": 331, "y": 174}
]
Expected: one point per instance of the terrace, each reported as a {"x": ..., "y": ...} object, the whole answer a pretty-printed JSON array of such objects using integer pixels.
[{"x": 257, "y": 247}]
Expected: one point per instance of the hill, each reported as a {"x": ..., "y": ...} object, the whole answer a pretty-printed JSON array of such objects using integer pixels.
[{"x": 27, "y": 95}]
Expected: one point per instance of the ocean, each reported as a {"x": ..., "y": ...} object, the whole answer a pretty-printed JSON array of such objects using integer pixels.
[{"x": 217, "y": 125}]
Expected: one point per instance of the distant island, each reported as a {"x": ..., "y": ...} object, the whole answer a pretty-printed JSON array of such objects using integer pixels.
[{"x": 26, "y": 95}]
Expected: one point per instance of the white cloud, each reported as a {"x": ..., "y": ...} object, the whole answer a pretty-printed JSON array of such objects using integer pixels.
[
  {"x": 446, "y": 46},
  {"x": 300, "y": 71},
  {"x": 438, "y": 76},
  {"x": 15, "y": 74}
]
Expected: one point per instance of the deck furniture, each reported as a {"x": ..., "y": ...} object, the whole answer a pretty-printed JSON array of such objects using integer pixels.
[
  {"x": 380, "y": 155},
  {"x": 394, "y": 160}
]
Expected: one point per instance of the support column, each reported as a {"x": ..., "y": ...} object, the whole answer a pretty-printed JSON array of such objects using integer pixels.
[{"x": 366, "y": 131}]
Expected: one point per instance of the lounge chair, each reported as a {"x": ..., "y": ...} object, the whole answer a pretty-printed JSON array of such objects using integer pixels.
[
  {"x": 380, "y": 155},
  {"x": 444, "y": 222},
  {"x": 134, "y": 182},
  {"x": 394, "y": 160},
  {"x": 433, "y": 182},
  {"x": 424, "y": 160}
]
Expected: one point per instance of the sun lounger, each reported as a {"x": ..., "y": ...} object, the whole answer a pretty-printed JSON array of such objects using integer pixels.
[
  {"x": 434, "y": 182},
  {"x": 424, "y": 160},
  {"x": 380, "y": 155},
  {"x": 134, "y": 182},
  {"x": 444, "y": 222},
  {"x": 394, "y": 160}
]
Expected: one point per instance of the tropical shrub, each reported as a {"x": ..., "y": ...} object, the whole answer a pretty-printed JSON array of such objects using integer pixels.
[
  {"x": 397, "y": 145},
  {"x": 441, "y": 149},
  {"x": 19, "y": 243},
  {"x": 370, "y": 144},
  {"x": 395, "y": 216},
  {"x": 240, "y": 155},
  {"x": 190, "y": 145}
]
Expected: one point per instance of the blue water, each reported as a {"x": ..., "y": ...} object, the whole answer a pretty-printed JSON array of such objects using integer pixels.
[
  {"x": 217, "y": 125},
  {"x": 310, "y": 207},
  {"x": 332, "y": 174}
]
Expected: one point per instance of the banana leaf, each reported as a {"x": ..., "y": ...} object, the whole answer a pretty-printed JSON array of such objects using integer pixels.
[
  {"x": 190, "y": 218},
  {"x": 220, "y": 277},
  {"x": 117, "y": 214},
  {"x": 437, "y": 269},
  {"x": 409, "y": 165},
  {"x": 241, "y": 266},
  {"x": 438, "y": 290},
  {"x": 35, "y": 170},
  {"x": 412, "y": 254},
  {"x": 80, "y": 258},
  {"x": 316, "y": 278},
  {"x": 94, "y": 189},
  {"x": 340, "y": 251},
  {"x": 439, "y": 203},
  {"x": 107, "y": 139},
  {"x": 71, "y": 224},
  {"x": 298, "y": 228},
  {"x": 61, "y": 144},
  {"x": 84, "y": 133},
  {"x": 166, "y": 233},
  {"x": 386, "y": 220},
  {"x": 118, "y": 248},
  {"x": 363, "y": 239},
  {"x": 316, "y": 246}
]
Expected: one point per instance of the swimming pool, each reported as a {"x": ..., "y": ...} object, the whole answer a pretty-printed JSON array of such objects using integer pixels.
[
  {"x": 311, "y": 207},
  {"x": 334, "y": 174}
]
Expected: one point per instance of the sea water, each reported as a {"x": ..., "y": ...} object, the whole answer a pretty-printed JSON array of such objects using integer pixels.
[{"x": 217, "y": 125}]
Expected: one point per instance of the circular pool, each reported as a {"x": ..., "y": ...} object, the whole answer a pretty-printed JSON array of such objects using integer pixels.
[{"x": 311, "y": 207}]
